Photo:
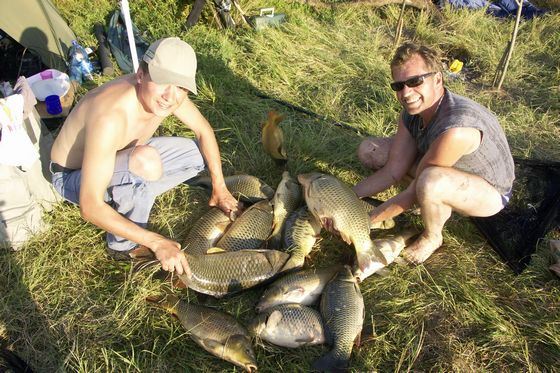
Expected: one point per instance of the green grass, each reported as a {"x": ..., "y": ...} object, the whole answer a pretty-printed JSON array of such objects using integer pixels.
[{"x": 66, "y": 307}]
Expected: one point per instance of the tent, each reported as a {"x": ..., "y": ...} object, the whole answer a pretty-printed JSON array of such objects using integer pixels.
[{"x": 37, "y": 25}]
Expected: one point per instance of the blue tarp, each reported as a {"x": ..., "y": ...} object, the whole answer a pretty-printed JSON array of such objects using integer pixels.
[{"x": 500, "y": 8}]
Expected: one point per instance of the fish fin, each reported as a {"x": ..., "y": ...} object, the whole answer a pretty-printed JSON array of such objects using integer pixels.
[
  {"x": 345, "y": 237},
  {"x": 215, "y": 250},
  {"x": 222, "y": 226},
  {"x": 209, "y": 344},
  {"x": 273, "y": 319},
  {"x": 383, "y": 272},
  {"x": 298, "y": 290},
  {"x": 330, "y": 363},
  {"x": 358, "y": 340}
]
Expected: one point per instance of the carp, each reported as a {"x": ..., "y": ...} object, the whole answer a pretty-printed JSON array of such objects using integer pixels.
[
  {"x": 329, "y": 198},
  {"x": 342, "y": 308},
  {"x": 250, "y": 230},
  {"x": 289, "y": 325},
  {"x": 286, "y": 199},
  {"x": 273, "y": 137},
  {"x": 217, "y": 332},
  {"x": 300, "y": 234},
  {"x": 206, "y": 231},
  {"x": 303, "y": 287},
  {"x": 220, "y": 273},
  {"x": 246, "y": 188}
]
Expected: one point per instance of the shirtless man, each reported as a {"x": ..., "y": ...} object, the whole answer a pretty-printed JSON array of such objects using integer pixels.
[
  {"x": 453, "y": 148},
  {"x": 106, "y": 160}
]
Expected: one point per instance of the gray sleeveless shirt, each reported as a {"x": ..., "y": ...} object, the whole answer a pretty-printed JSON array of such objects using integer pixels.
[{"x": 492, "y": 160}]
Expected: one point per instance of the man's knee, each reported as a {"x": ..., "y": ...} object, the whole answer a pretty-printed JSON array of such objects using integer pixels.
[
  {"x": 145, "y": 162},
  {"x": 433, "y": 183},
  {"x": 373, "y": 152}
]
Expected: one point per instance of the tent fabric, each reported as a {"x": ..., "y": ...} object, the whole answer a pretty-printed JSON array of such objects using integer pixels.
[
  {"x": 37, "y": 25},
  {"x": 500, "y": 8}
]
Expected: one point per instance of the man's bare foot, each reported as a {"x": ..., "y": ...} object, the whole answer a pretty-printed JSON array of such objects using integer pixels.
[{"x": 422, "y": 248}]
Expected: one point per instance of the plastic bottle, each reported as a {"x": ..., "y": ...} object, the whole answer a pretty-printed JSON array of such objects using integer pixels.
[{"x": 80, "y": 66}]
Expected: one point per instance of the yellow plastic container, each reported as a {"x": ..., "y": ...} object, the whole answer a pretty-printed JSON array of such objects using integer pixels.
[{"x": 456, "y": 66}]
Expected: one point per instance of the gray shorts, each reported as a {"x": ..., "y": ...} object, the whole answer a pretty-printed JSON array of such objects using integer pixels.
[{"x": 131, "y": 195}]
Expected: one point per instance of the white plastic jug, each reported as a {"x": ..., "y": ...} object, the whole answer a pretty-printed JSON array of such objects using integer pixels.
[{"x": 49, "y": 82}]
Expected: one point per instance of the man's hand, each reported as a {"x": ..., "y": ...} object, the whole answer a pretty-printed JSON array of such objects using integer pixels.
[
  {"x": 223, "y": 199},
  {"x": 171, "y": 257}
]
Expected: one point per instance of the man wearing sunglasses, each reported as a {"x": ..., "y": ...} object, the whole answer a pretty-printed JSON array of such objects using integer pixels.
[{"x": 453, "y": 149}]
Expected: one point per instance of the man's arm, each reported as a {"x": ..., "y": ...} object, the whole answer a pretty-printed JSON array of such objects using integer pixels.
[
  {"x": 449, "y": 147},
  {"x": 401, "y": 158},
  {"x": 101, "y": 146},
  {"x": 189, "y": 114},
  {"x": 445, "y": 151}
]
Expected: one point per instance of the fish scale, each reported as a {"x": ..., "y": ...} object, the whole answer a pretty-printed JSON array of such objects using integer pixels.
[
  {"x": 250, "y": 230},
  {"x": 206, "y": 231},
  {"x": 289, "y": 325},
  {"x": 222, "y": 273},
  {"x": 300, "y": 234},
  {"x": 286, "y": 199},
  {"x": 303, "y": 287},
  {"x": 342, "y": 308},
  {"x": 247, "y": 188}
]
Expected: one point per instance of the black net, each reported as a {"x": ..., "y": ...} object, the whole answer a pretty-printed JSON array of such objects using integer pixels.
[{"x": 533, "y": 211}]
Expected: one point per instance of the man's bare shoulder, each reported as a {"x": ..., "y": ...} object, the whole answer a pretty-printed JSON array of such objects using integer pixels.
[{"x": 111, "y": 98}]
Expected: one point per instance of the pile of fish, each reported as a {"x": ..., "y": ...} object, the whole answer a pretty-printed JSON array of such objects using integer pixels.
[{"x": 269, "y": 239}]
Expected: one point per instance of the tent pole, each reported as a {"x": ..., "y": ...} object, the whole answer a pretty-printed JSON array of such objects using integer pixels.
[{"x": 125, "y": 10}]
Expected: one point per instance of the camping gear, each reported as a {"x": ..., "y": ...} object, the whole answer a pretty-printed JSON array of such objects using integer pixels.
[
  {"x": 266, "y": 18},
  {"x": 103, "y": 50},
  {"x": 26, "y": 192},
  {"x": 534, "y": 209},
  {"x": 16, "y": 148},
  {"x": 49, "y": 82},
  {"x": 38, "y": 26},
  {"x": 125, "y": 11},
  {"x": 118, "y": 42},
  {"x": 80, "y": 66},
  {"x": 54, "y": 107}
]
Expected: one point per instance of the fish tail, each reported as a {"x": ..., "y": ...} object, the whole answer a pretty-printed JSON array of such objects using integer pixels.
[
  {"x": 374, "y": 253},
  {"x": 331, "y": 362},
  {"x": 144, "y": 264},
  {"x": 274, "y": 117},
  {"x": 408, "y": 233},
  {"x": 297, "y": 259},
  {"x": 165, "y": 301}
]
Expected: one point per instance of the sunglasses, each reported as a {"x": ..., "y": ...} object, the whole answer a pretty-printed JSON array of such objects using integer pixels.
[{"x": 415, "y": 81}]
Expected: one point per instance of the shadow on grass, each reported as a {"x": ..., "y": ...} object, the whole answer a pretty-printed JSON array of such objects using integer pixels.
[{"x": 22, "y": 322}]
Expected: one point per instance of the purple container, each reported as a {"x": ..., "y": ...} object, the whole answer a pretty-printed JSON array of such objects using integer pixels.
[{"x": 54, "y": 107}]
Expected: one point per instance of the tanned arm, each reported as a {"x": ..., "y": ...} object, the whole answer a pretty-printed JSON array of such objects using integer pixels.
[
  {"x": 189, "y": 114},
  {"x": 101, "y": 146}
]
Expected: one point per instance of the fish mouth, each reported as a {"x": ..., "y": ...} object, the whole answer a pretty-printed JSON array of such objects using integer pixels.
[{"x": 251, "y": 368}]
